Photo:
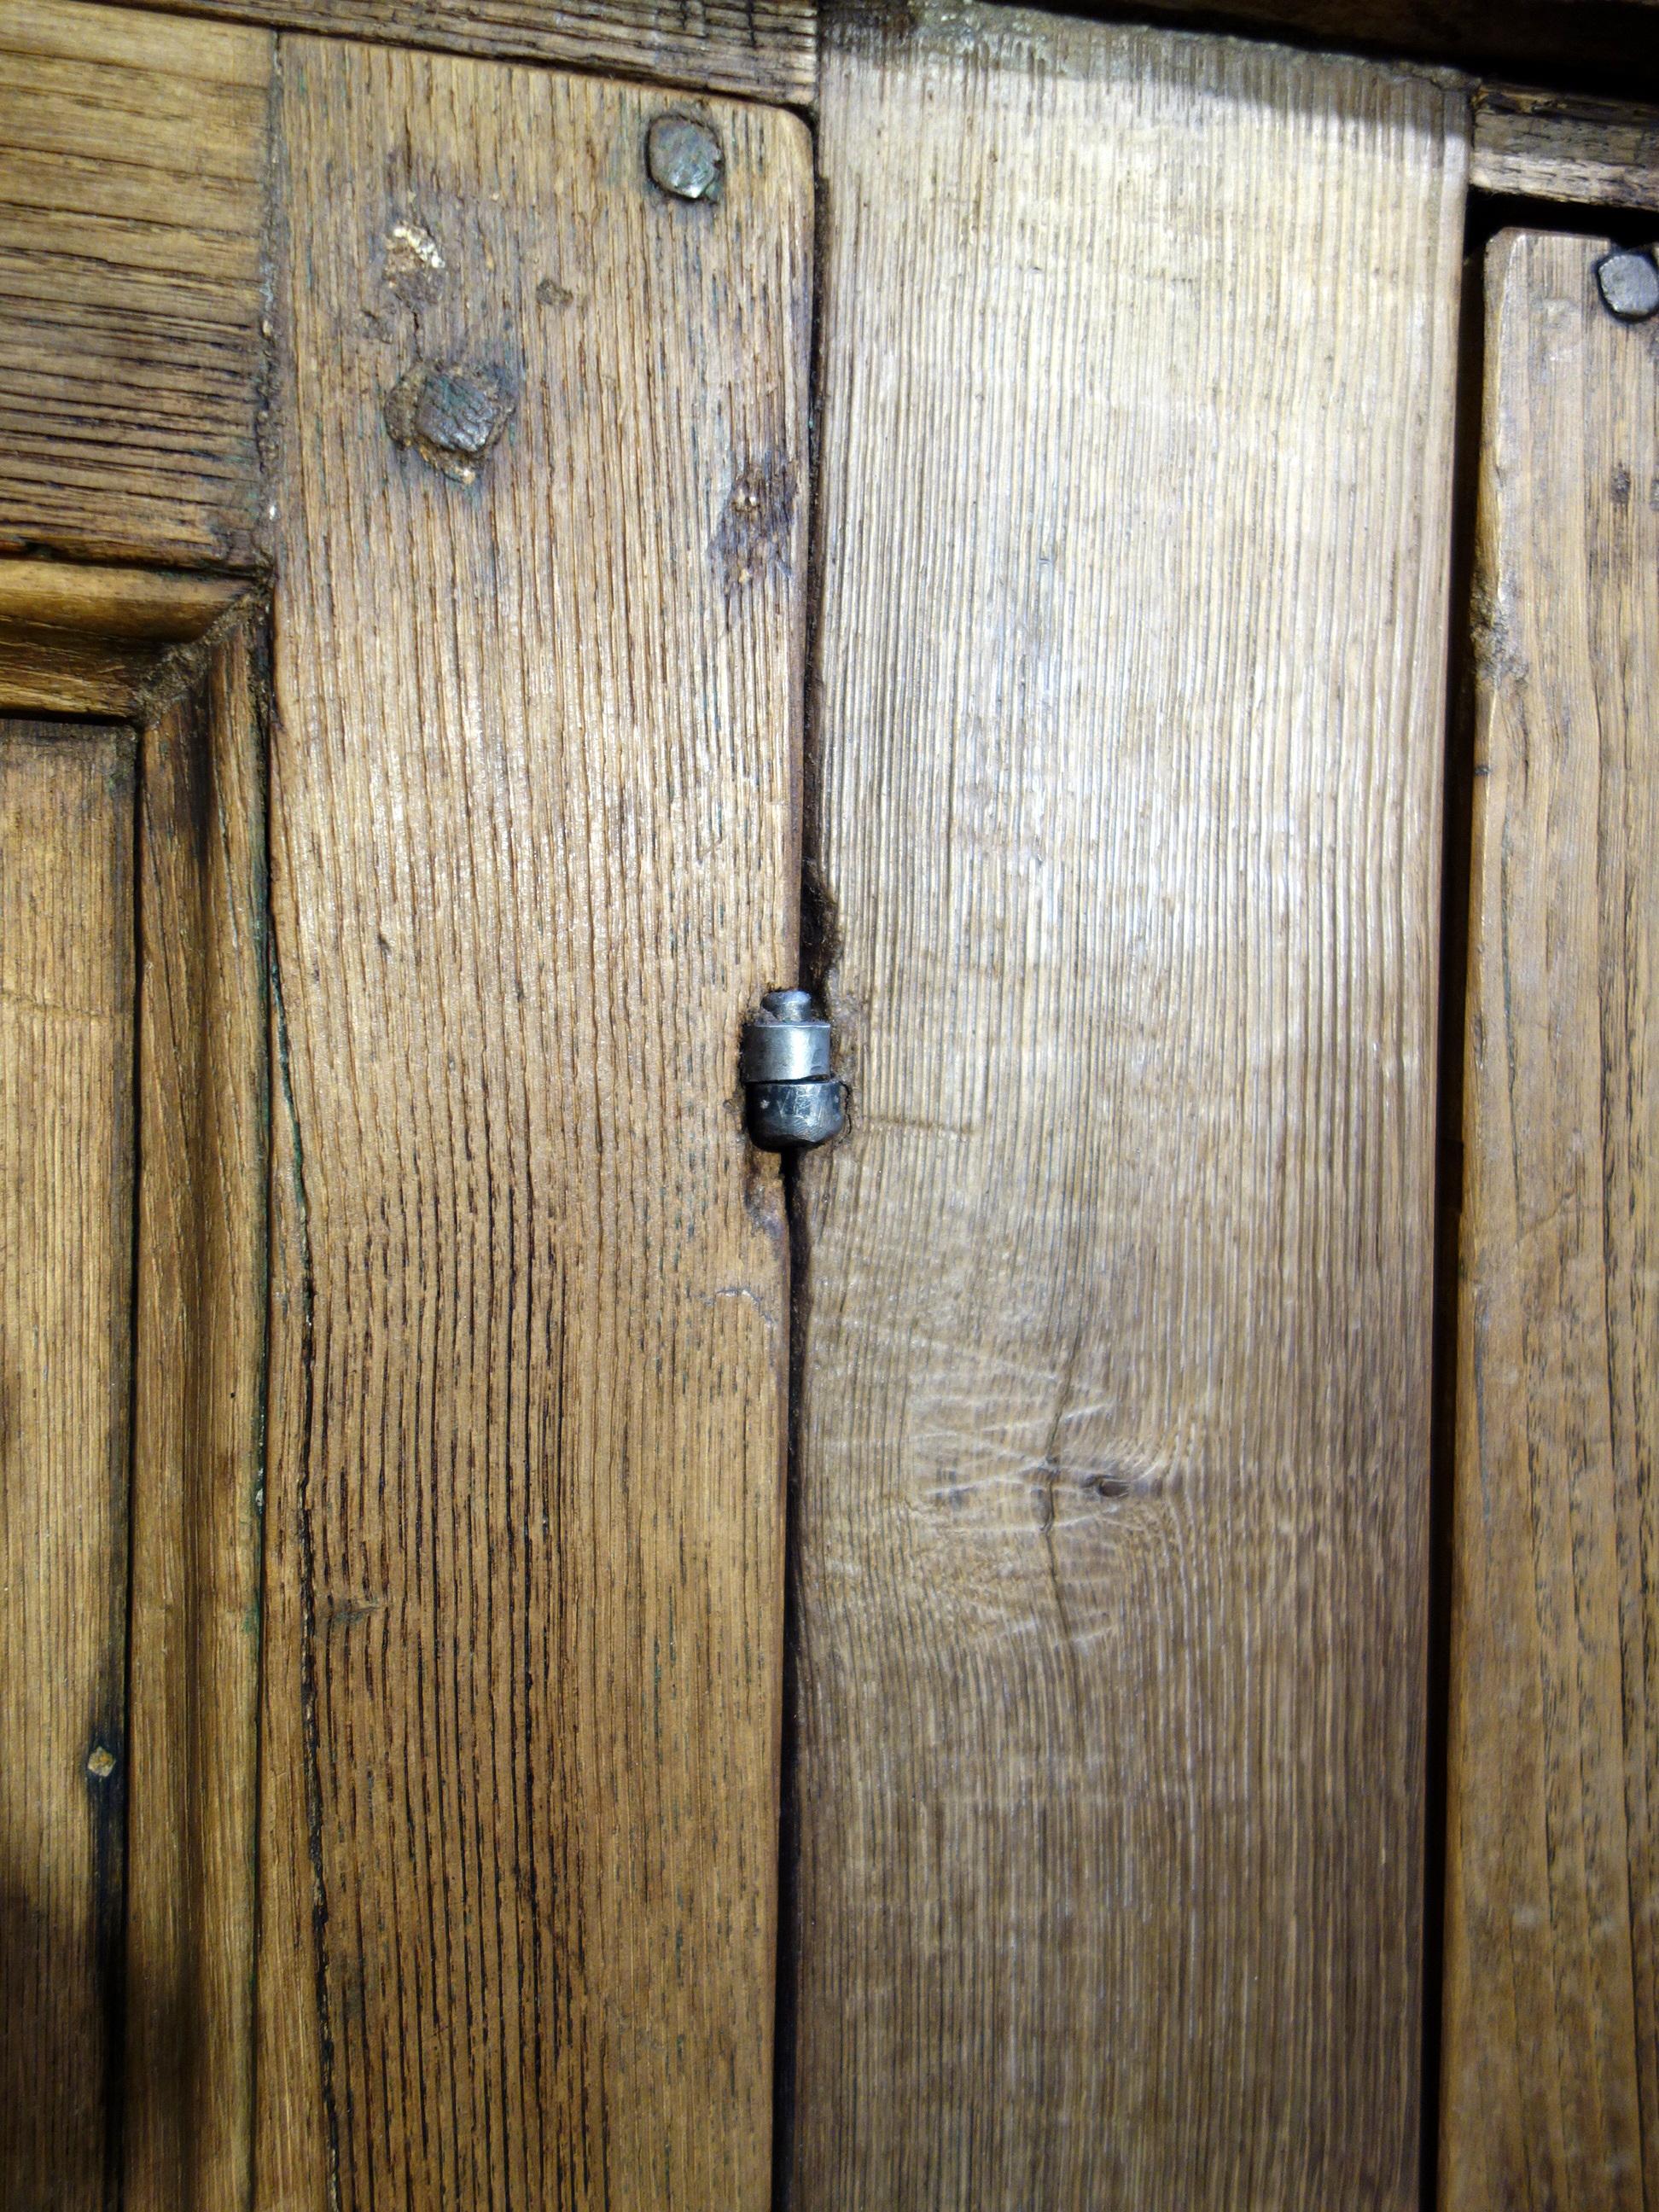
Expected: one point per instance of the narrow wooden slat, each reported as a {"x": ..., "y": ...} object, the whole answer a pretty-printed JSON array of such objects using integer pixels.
[
  {"x": 199, "y": 1432},
  {"x": 767, "y": 49},
  {"x": 1554, "y": 146},
  {"x": 533, "y": 854},
  {"x": 1552, "y": 2021},
  {"x": 132, "y": 212},
  {"x": 66, "y": 1051},
  {"x": 1137, "y": 378}
]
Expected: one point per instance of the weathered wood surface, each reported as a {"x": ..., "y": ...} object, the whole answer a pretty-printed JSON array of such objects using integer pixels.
[
  {"x": 77, "y": 639},
  {"x": 766, "y": 49},
  {"x": 198, "y": 1422},
  {"x": 66, "y": 1058},
  {"x": 1113, "y": 1476},
  {"x": 133, "y": 210},
  {"x": 1552, "y": 2021},
  {"x": 1555, "y": 146},
  {"x": 534, "y": 839}
]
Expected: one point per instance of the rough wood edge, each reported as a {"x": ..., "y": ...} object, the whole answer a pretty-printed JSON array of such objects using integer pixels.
[{"x": 1563, "y": 146}]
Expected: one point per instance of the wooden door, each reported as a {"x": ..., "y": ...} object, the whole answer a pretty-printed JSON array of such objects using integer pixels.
[{"x": 445, "y": 686}]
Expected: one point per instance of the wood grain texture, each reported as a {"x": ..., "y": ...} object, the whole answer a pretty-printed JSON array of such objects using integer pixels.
[
  {"x": 132, "y": 212},
  {"x": 1113, "y": 1496},
  {"x": 1552, "y": 146},
  {"x": 198, "y": 1449},
  {"x": 66, "y": 1058},
  {"x": 76, "y": 640},
  {"x": 766, "y": 49},
  {"x": 1552, "y": 2019},
  {"x": 534, "y": 853}
]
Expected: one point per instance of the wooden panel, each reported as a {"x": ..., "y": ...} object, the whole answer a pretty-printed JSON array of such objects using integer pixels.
[
  {"x": 66, "y": 1046},
  {"x": 83, "y": 640},
  {"x": 533, "y": 854},
  {"x": 198, "y": 1433},
  {"x": 1553, "y": 146},
  {"x": 765, "y": 48},
  {"x": 1113, "y": 1470},
  {"x": 1552, "y": 2021},
  {"x": 131, "y": 213}
]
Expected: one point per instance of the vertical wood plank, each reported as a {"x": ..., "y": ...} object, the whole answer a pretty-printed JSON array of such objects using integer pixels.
[
  {"x": 66, "y": 1049},
  {"x": 198, "y": 1418},
  {"x": 1138, "y": 370},
  {"x": 533, "y": 853},
  {"x": 1552, "y": 2019}
]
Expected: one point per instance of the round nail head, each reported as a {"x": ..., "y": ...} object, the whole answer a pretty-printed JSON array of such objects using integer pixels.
[
  {"x": 1630, "y": 285},
  {"x": 683, "y": 157}
]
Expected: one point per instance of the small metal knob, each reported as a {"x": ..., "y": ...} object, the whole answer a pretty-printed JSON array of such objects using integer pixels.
[{"x": 794, "y": 1099}]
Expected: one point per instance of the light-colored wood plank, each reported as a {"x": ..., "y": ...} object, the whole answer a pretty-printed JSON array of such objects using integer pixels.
[
  {"x": 1552, "y": 2020},
  {"x": 1556, "y": 146},
  {"x": 765, "y": 49},
  {"x": 132, "y": 213},
  {"x": 66, "y": 1056},
  {"x": 533, "y": 855},
  {"x": 77, "y": 640},
  {"x": 1113, "y": 1478},
  {"x": 198, "y": 1449}
]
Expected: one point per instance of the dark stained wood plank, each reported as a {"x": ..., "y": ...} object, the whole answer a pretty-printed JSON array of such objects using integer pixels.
[
  {"x": 132, "y": 214},
  {"x": 66, "y": 1062},
  {"x": 1552, "y": 2015},
  {"x": 1113, "y": 1475},
  {"x": 766, "y": 49},
  {"x": 198, "y": 1438},
  {"x": 1552, "y": 146},
  {"x": 534, "y": 839}
]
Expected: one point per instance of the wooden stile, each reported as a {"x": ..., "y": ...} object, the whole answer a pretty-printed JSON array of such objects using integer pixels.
[
  {"x": 534, "y": 853},
  {"x": 1550, "y": 2067},
  {"x": 1113, "y": 1492}
]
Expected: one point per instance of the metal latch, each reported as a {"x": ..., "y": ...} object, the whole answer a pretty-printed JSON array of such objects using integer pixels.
[{"x": 795, "y": 1100}]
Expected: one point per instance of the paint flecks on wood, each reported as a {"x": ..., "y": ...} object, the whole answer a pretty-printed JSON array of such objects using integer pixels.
[{"x": 756, "y": 525}]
